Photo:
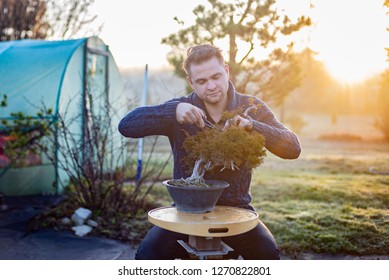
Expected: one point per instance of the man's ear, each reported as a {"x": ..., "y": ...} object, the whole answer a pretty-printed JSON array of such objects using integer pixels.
[
  {"x": 227, "y": 68},
  {"x": 189, "y": 79}
]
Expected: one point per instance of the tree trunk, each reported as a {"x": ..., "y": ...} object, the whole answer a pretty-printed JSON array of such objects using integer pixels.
[
  {"x": 233, "y": 51},
  {"x": 198, "y": 170}
]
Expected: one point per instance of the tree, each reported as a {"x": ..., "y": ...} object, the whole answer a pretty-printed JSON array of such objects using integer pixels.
[
  {"x": 23, "y": 19},
  {"x": 39, "y": 19},
  {"x": 224, "y": 147},
  {"x": 247, "y": 26},
  {"x": 318, "y": 92},
  {"x": 383, "y": 120},
  {"x": 69, "y": 17}
]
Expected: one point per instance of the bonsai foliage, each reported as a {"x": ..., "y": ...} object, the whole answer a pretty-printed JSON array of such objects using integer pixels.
[{"x": 224, "y": 147}]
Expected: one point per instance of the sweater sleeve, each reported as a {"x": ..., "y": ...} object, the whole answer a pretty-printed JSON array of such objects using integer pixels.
[
  {"x": 279, "y": 140},
  {"x": 149, "y": 120}
]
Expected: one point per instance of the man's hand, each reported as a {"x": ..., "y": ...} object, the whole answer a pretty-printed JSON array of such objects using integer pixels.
[
  {"x": 239, "y": 121},
  {"x": 187, "y": 113}
]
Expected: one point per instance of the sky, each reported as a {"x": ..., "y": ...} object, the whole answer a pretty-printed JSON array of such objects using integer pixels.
[{"x": 350, "y": 36}]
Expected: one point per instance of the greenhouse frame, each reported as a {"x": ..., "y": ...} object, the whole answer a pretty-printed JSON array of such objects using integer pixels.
[{"x": 60, "y": 75}]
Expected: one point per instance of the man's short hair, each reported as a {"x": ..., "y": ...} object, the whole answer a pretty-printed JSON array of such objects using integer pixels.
[{"x": 199, "y": 54}]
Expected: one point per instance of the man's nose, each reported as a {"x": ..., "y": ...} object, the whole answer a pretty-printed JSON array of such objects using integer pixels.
[{"x": 211, "y": 85}]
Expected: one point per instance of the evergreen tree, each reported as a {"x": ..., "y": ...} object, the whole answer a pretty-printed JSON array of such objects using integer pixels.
[
  {"x": 247, "y": 26},
  {"x": 383, "y": 120}
]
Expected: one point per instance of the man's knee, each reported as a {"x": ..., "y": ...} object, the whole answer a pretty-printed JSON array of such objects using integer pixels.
[
  {"x": 267, "y": 251},
  {"x": 160, "y": 244},
  {"x": 256, "y": 244},
  {"x": 146, "y": 254},
  {"x": 271, "y": 254}
]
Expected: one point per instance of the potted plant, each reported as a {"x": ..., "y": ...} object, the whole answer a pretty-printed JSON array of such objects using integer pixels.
[{"x": 224, "y": 147}]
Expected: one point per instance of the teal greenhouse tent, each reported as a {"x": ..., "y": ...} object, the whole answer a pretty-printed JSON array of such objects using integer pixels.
[{"x": 60, "y": 75}]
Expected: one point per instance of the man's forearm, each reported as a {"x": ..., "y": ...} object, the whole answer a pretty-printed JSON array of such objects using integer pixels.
[
  {"x": 150, "y": 120},
  {"x": 279, "y": 141}
]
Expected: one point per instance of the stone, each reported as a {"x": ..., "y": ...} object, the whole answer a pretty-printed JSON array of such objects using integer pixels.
[
  {"x": 66, "y": 221},
  {"x": 3, "y": 206},
  {"x": 82, "y": 230},
  {"x": 81, "y": 215},
  {"x": 92, "y": 223}
]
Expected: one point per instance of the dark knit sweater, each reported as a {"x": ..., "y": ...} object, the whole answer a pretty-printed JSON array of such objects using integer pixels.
[{"x": 161, "y": 120}]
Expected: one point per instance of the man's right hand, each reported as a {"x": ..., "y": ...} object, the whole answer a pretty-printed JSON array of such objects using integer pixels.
[{"x": 187, "y": 113}]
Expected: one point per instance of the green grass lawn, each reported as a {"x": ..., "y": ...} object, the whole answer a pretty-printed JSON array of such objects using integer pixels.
[{"x": 327, "y": 201}]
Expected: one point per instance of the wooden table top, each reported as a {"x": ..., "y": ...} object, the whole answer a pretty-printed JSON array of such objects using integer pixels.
[{"x": 223, "y": 221}]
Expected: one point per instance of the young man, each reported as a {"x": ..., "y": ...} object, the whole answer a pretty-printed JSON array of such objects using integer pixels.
[{"x": 212, "y": 94}]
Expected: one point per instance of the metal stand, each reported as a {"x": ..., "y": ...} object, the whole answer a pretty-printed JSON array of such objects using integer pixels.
[{"x": 207, "y": 254}]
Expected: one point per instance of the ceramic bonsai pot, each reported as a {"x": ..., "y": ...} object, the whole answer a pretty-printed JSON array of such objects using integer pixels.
[{"x": 196, "y": 199}]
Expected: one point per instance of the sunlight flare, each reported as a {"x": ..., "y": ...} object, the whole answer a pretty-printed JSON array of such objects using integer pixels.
[{"x": 351, "y": 37}]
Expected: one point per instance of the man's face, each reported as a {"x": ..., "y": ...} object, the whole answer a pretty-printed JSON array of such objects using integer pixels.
[{"x": 209, "y": 80}]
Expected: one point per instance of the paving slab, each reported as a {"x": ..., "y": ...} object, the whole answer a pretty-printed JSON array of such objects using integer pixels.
[{"x": 16, "y": 243}]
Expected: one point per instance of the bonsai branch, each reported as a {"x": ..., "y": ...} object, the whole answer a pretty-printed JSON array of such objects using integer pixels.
[{"x": 229, "y": 148}]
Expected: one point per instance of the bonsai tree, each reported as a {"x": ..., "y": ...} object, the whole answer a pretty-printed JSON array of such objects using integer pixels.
[{"x": 224, "y": 147}]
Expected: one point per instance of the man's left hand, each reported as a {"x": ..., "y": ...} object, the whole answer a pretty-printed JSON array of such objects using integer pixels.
[{"x": 239, "y": 121}]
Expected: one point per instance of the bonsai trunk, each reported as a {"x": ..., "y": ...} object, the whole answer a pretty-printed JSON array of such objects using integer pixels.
[{"x": 201, "y": 165}]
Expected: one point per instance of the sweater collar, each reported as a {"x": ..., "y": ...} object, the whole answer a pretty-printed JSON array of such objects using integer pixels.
[{"x": 231, "y": 95}]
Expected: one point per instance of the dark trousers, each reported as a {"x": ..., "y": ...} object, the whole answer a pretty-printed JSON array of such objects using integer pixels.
[{"x": 161, "y": 244}]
